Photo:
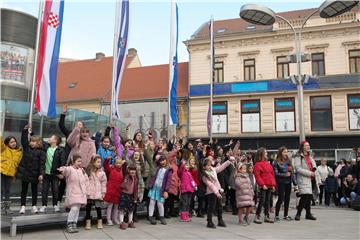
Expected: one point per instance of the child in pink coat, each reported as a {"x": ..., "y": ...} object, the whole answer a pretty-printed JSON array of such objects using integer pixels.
[
  {"x": 97, "y": 190},
  {"x": 76, "y": 190},
  {"x": 213, "y": 190},
  {"x": 187, "y": 188}
]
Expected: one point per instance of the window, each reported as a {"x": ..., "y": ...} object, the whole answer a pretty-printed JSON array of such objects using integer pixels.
[
  {"x": 282, "y": 67},
  {"x": 354, "y": 111},
  {"x": 318, "y": 64},
  {"x": 219, "y": 72},
  {"x": 219, "y": 117},
  {"x": 250, "y": 116},
  {"x": 321, "y": 116},
  {"x": 354, "y": 61},
  {"x": 285, "y": 114},
  {"x": 249, "y": 69}
]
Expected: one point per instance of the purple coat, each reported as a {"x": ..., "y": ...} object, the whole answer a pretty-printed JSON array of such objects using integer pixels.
[
  {"x": 120, "y": 147},
  {"x": 166, "y": 182}
]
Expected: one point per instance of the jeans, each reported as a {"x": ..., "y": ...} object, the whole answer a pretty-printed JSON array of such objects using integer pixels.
[
  {"x": 328, "y": 197},
  {"x": 305, "y": 202},
  {"x": 264, "y": 201},
  {"x": 62, "y": 187},
  {"x": 284, "y": 191},
  {"x": 345, "y": 200},
  {"x": 24, "y": 190},
  {"x": 214, "y": 203},
  {"x": 185, "y": 199},
  {"x": 53, "y": 182},
  {"x": 5, "y": 187},
  {"x": 321, "y": 187}
]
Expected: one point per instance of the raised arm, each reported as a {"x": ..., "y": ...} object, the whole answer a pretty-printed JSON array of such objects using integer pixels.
[
  {"x": 74, "y": 137},
  {"x": 222, "y": 167},
  {"x": 24, "y": 138},
  {"x": 62, "y": 127}
]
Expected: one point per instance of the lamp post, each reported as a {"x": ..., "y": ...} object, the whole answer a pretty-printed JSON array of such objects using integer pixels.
[{"x": 262, "y": 15}]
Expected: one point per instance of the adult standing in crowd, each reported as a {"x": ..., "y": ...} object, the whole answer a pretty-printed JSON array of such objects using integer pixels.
[{"x": 305, "y": 167}]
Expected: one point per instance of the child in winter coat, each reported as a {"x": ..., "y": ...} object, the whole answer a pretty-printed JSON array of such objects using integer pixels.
[
  {"x": 187, "y": 188},
  {"x": 10, "y": 158},
  {"x": 159, "y": 187},
  {"x": 55, "y": 158},
  {"x": 213, "y": 190},
  {"x": 106, "y": 150},
  {"x": 331, "y": 188},
  {"x": 265, "y": 178},
  {"x": 77, "y": 188},
  {"x": 97, "y": 190},
  {"x": 112, "y": 195},
  {"x": 174, "y": 187},
  {"x": 128, "y": 197},
  {"x": 81, "y": 144},
  {"x": 200, "y": 198},
  {"x": 31, "y": 168},
  {"x": 244, "y": 193}
]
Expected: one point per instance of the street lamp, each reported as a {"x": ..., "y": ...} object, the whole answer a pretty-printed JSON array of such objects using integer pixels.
[{"x": 262, "y": 15}]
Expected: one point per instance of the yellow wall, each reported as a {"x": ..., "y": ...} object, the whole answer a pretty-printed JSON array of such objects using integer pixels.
[{"x": 85, "y": 106}]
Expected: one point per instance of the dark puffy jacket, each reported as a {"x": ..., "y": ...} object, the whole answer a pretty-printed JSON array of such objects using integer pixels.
[
  {"x": 59, "y": 159},
  {"x": 331, "y": 184},
  {"x": 32, "y": 163}
]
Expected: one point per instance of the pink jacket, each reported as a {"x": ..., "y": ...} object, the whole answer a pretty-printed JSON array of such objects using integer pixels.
[
  {"x": 214, "y": 186},
  {"x": 187, "y": 182},
  {"x": 244, "y": 191},
  {"x": 97, "y": 188},
  {"x": 77, "y": 185},
  {"x": 86, "y": 148},
  {"x": 175, "y": 181}
]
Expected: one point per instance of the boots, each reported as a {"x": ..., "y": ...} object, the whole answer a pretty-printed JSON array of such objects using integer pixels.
[
  {"x": 182, "y": 217},
  {"x": 152, "y": 220},
  {"x": 74, "y": 226},
  {"x": 163, "y": 221},
  {"x": 70, "y": 228},
  {"x": 310, "y": 217},
  {"x": 131, "y": 225},
  {"x": 268, "y": 219},
  {"x": 188, "y": 216},
  {"x": 257, "y": 219},
  {"x": 88, "y": 224},
  {"x": 99, "y": 224},
  {"x": 221, "y": 222},
  {"x": 210, "y": 224},
  {"x": 122, "y": 226}
]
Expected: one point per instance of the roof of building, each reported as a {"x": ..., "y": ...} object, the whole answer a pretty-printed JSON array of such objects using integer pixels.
[
  {"x": 238, "y": 25},
  {"x": 87, "y": 80}
]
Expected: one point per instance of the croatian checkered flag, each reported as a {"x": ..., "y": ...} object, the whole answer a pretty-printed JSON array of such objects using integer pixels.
[{"x": 120, "y": 52}]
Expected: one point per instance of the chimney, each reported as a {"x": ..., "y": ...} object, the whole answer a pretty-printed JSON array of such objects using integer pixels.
[
  {"x": 132, "y": 52},
  {"x": 99, "y": 56}
]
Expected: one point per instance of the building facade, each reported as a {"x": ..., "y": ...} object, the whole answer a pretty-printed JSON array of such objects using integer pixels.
[{"x": 254, "y": 98}]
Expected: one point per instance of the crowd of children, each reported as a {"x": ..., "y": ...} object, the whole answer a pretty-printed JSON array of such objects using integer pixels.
[{"x": 124, "y": 173}]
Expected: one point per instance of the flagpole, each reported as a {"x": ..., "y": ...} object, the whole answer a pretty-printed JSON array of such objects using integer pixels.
[
  {"x": 114, "y": 61},
  {"x": 211, "y": 73},
  {"x": 32, "y": 98}
]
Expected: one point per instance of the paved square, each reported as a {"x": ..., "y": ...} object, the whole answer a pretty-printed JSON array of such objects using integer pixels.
[{"x": 332, "y": 223}]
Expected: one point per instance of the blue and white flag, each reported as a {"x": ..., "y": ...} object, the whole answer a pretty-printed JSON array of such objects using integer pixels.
[
  {"x": 173, "y": 64},
  {"x": 120, "y": 52}
]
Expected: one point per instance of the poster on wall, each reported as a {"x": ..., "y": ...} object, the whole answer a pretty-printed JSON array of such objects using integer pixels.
[
  {"x": 354, "y": 117},
  {"x": 13, "y": 62},
  {"x": 285, "y": 122},
  {"x": 251, "y": 122},
  {"x": 219, "y": 123}
]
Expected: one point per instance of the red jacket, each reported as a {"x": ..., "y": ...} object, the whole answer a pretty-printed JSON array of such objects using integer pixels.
[
  {"x": 264, "y": 174},
  {"x": 114, "y": 182},
  {"x": 195, "y": 174}
]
